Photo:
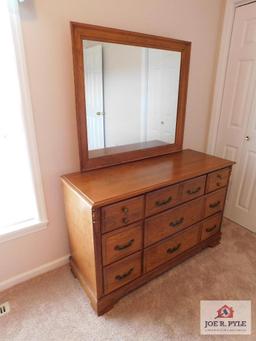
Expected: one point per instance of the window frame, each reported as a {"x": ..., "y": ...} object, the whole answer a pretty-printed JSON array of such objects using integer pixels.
[{"x": 21, "y": 229}]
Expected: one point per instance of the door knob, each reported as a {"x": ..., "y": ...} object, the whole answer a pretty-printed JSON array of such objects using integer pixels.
[{"x": 247, "y": 138}]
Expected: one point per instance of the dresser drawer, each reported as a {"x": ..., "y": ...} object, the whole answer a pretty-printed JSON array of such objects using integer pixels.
[
  {"x": 170, "y": 248},
  {"x": 122, "y": 272},
  {"x": 165, "y": 224},
  {"x": 217, "y": 179},
  {"x": 192, "y": 189},
  {"x": 210, "y": 226},
  {"x": 121, "y": 243},
  {"x": 214, "y": 202},
  {"x": 162, "y": 199},
  {"x": 122, "y": 213}
]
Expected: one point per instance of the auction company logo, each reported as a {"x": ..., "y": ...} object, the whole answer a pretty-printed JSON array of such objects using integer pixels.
[{"x": 233, "y": 317}]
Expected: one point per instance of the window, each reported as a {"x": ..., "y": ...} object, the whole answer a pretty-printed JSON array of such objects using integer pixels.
[{"x": 21, "y": 196}]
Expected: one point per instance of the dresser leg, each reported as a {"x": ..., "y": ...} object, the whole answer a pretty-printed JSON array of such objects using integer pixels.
[
  {"x": 102, "y": 310},
  {"x": 100, "y": 307},
  {"x": 214, "y": 243},
  {"x": 71, "y": 268}
]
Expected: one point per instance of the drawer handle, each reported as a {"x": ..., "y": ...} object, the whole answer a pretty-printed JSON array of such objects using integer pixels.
[
  {"x": 125, "y": 220},
  {"x": 193, "y": 191},
  {"x": 173, "y": 249},
  {"x": 218, "y": 184},
  {"x": 163, "y": 202},
  {"x": 215, "y": 204},
  {"x": 124, "y": 246},
  {"x": 219, "y": 176},
  {"x": 210, "y": 229},
  {"x": 125, "y": 209},
  {"x": 177, "y": 222},
  {"x": 123, "y": 276}
]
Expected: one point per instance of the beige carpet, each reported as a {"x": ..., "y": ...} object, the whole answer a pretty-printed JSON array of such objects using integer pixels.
[{"x": 54, "y": 307}]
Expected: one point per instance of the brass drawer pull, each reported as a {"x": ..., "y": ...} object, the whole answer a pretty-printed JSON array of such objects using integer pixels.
[
  {"x": 173, "y": 249},
  {"x": 125, "y": 220},
  {"x": 210, "y": 229},
  {"x": 193, "y": 191},
  {"x": 125, "y": 209},
  {"x": 177, "y": 222},
  {"x": 123, "y": 276},
  {"x": 163, "y": 202},
  {"x": 215, "y": 204},
  {"x": 124, "y": 246}
]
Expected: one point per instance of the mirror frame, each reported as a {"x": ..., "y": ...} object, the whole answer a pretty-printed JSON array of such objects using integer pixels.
[{"x": 82, "y": 32}]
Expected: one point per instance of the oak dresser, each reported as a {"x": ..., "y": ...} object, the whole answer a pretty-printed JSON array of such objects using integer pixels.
[{"x": 129, "y": 223}]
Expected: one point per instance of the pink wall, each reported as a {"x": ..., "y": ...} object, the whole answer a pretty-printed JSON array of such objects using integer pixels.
[{"x": 48, "y": 48}]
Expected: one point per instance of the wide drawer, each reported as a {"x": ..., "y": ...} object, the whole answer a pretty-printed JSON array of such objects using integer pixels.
[
  {"x": 172, "y": 221},
  {"x": 214, "y": 202},
  {"x": 192, "y": 189},
  {"x": 122, "y": 213},
  {"x": 162, "y": 199},
  {"x": 170, "y": 248},
  {"x": 121, "y": 243},
  {"x": 217, "y": 179},
  {"x": 122, "y": 272},
  {"x": 210, "y": 226}
]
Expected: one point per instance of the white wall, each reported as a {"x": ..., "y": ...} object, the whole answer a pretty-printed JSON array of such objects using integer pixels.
[{"x": 48, "y": 48}]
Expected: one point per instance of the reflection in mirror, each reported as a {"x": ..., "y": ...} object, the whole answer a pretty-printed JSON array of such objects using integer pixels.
[{"x": 131, "y": 96}]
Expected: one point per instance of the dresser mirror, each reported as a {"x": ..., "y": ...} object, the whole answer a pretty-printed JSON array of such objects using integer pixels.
[{"x": 130, "y": 94}]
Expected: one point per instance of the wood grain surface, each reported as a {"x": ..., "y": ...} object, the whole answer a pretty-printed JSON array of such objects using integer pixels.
[{"x": 108, "y": 185}]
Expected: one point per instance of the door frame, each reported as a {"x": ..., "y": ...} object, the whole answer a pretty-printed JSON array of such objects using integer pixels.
[{"x": 227, "y": 29}]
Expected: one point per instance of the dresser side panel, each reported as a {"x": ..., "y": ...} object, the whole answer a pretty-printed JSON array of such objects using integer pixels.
[{"x": 79, "y": 217}]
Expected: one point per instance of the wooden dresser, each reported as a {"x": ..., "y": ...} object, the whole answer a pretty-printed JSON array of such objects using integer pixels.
[{"x": 130, "y": 223}]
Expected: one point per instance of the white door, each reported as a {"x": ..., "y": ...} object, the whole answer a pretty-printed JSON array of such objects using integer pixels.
[
  {"x": 94, "y": 96},
  {"x": 237, "y": 128},
  {"x": 163, "y": 71}
]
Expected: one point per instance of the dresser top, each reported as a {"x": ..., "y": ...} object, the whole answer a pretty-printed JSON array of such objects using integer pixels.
[{"x": 105, "y": 186}]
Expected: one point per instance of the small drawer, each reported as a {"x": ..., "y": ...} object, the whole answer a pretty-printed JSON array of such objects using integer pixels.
[
  {"x": 121, "y": 243},
  {"x": 122, "y": 213},
  {"x": 214, "y": 202},
  {"x": 170, "y": 248},
  {"x": 193, "y": 188},
  {"x": 211, "y": 226},
  {"x": 162, "y": 199},
  {"x": 122, "y": 272},
  {"x": 174, "y": 220},
  {"x": 217, "y": 179}
]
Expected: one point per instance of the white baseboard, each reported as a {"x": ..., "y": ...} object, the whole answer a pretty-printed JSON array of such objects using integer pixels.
[{"x": 33, "y": 273}]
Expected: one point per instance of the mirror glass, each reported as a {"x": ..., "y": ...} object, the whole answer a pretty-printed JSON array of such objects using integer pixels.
[{"x": 131, "y": 96}]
